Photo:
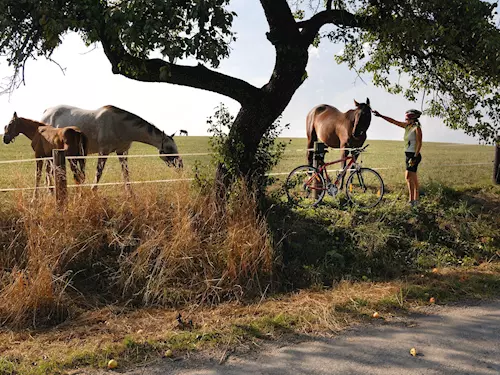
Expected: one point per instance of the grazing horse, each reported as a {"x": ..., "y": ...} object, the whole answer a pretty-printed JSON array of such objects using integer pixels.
[
  {"x": 181, "y": 132},
  {"x": 111, "y": 129},
  {"x": 338, "y": 129},
  {"x": 44, "y": 139}
]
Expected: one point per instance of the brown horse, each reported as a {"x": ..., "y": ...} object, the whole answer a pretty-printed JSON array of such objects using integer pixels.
[
  {"x": 337, "y": 129},
  {"x": 44, "y": 139}
]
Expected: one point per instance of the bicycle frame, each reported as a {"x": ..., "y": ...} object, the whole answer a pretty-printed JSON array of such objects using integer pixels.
[{"x": 323, "y": 168}]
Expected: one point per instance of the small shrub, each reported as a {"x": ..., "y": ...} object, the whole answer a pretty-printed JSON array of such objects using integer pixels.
[{"x": 267, "y": 156}]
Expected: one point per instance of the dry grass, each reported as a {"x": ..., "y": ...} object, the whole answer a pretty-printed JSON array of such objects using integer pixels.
[{"x": 162, "y": 248}]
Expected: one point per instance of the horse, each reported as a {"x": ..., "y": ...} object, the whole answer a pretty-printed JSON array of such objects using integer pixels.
[
  {"x": 44, "y": 139},
  {"x": 337, "y": 129},
  {"x": 181, "y": 132},
  {"x": 111, "y": 129}
]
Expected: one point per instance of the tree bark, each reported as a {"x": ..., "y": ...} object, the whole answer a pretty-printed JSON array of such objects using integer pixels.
[
  {"x": 254, "y": 120},
  {"x": 496, "y": 165}
]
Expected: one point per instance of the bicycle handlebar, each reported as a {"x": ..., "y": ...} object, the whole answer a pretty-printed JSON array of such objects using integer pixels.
[
  {"x": 359, "y": 150},
  {"x": 355, "y": 150}
]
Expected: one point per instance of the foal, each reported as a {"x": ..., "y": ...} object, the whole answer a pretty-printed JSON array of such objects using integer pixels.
[{"x": 44, "y": 139}]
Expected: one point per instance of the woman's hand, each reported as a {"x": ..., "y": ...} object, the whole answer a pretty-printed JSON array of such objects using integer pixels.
[{"x": 376, "y": 114}]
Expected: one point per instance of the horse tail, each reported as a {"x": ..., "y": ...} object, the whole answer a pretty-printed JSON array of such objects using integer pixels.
[
  {"x": 78, "y": 143},
  {"x": 83, "y": 144},
  {"x": 311, "y": 134}
]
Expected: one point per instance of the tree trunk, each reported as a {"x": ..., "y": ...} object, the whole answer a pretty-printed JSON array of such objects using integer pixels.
[
  {"x": 496, "y": 165},
  {"x": 255, "y": 119}
]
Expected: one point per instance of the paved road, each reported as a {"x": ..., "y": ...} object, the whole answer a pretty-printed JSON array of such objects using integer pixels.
[{"x": 452, "y": 340}]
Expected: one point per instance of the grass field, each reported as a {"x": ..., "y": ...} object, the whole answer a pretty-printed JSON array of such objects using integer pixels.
[{"x": 451, "y": 164}]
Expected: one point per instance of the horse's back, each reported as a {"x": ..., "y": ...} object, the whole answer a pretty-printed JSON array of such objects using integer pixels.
[
  {"x": 328, "y": 123},
  {"x": 50, "y": 138},
  {"x": 90, "y": 122}
]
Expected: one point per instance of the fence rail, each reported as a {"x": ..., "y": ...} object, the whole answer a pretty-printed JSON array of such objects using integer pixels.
[{"x": 178, "y": 179}]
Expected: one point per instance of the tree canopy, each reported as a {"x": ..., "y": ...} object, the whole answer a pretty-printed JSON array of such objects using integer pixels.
[{"x": 444, "y": 53}]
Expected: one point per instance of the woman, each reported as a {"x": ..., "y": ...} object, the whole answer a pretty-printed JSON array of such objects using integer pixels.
[{"x": 413, "y": 145}]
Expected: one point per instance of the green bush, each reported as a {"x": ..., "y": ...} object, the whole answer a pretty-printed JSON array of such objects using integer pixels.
[{"x": 324, "y": 245}]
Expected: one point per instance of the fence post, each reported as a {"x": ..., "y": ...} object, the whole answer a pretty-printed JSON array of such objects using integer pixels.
[
  {"x": 319, "y": 159},
  {"x": 496, "y": 165},
  {"x": 60, "y": 180}
]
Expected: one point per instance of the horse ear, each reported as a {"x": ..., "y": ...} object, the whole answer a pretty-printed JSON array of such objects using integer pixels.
[
  {"x": 172, "y": 136},
  {"x": 15, "y": 115},
  {"x": 367, "y": 101},
  {"x": 356, "y": 103}
]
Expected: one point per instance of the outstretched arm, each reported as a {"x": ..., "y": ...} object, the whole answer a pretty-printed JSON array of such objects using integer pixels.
[
  {"x": 418, "y": 146},
  {"x": 389, "y": 119}
]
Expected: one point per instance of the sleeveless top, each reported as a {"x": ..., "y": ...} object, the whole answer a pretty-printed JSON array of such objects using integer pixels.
[{"x": 411, "y": 137}]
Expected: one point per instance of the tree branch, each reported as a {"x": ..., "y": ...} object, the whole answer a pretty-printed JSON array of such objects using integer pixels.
[
  {"x": 282, "y": 25},
  {"x": 337, "y": 17},
  {"x": 158, "y": 70}
]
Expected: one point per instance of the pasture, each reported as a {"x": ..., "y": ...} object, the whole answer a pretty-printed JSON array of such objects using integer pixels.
[{"x": 453, "y": 165}]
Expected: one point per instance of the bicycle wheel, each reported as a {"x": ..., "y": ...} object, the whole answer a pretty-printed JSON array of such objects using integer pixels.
[
  {"x": 305, "y": 186},
  {"x": 365, "y": 188}
]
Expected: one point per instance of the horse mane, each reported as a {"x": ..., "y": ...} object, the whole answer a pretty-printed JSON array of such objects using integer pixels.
[
  {"x": 137, "y": 120},
  {"x": 350, "y": 114},
  {"x": 33, "y": 122}
]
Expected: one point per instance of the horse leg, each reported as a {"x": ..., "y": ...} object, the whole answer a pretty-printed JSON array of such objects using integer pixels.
[
  {"x": 72, "y": 165},
  {"x": 311, "y": 138},
  {"x": 49, "y": 178},
  {"x": 310, "y": 154},
  {"x": 123, "y": 161},
  {"x": 38, "y": 175},
  {"x": 81, "y": 169},
  {"x": 343, "y": 154},
  {"x": 101, "y": 162}
]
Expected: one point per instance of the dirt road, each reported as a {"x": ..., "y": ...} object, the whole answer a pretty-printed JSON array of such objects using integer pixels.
[{"x": 451, "y": 340}]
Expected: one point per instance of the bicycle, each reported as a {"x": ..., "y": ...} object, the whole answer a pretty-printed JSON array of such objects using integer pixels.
[{"x": 306, "y": 186}]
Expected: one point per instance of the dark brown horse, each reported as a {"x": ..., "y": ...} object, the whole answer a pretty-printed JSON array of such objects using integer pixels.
[
  {"x": 338, "y": 129},
  {"x": 44, "y": 139}
]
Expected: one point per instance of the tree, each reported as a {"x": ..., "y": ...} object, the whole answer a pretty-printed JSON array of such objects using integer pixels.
[{"x": 448, "y": 50}]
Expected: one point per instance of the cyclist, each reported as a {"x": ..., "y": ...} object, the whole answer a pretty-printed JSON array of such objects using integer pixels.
[{"x": 413, "y": 145}]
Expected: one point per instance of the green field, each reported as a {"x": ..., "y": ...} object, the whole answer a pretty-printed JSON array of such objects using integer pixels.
[{"x": 451, "y": 164}]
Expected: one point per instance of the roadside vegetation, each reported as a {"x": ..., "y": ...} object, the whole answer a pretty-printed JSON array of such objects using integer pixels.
[{"x": 108, "y": 276}]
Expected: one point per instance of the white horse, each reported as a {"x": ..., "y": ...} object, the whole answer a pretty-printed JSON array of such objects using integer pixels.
[{"x": 111, "y": 129}]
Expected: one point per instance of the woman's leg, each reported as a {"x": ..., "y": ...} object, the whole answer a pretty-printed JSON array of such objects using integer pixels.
[
  {"x": 416, "y": 187},
  {"x": 409, "y": 182}
]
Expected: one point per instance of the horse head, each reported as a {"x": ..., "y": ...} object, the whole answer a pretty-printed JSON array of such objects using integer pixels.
[
  {"x": 168, "y": 147},
  {"x": 11, "y": 130},
  {"x": 362, "y": 118}
]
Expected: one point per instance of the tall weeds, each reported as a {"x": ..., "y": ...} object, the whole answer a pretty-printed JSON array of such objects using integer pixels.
[{"x": 166, "y": 245}]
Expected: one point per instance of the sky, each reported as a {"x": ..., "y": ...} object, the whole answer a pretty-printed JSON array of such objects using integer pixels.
[{"x": 89, "y": 83}]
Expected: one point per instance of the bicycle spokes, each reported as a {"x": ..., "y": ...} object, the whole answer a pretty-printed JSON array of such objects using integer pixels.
[
  {"x": 365, "y": 188},
  {"x": 305, "y": 186}
]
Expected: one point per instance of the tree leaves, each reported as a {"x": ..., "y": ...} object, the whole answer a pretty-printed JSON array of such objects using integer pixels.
[
  {"x": 447, "y": 49},
  {"x": 177, "y": 28}
]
